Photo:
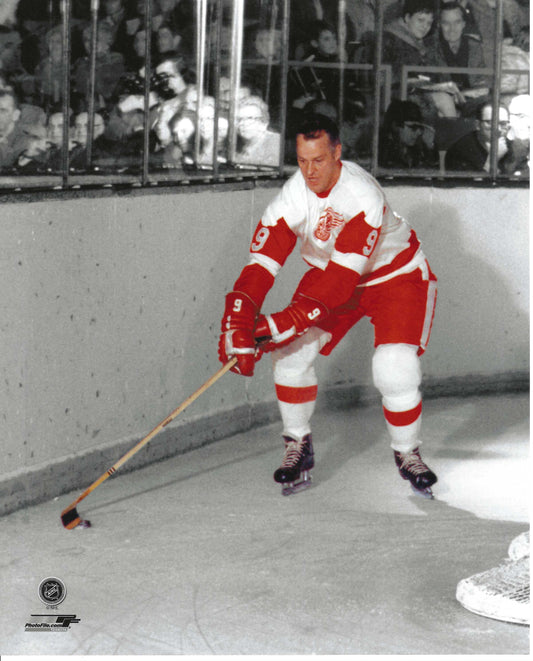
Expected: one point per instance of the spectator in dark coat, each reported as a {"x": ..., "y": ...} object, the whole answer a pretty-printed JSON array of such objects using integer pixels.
[
  {"x": 455, "y": 48},
  {"x": 472, "y": 151},
  {"x": 405, "y": 40},
  {"x": 405, "y": 141}
]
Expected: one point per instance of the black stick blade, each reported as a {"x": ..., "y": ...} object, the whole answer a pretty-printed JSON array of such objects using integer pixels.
[{"x": 70, "y": 518}]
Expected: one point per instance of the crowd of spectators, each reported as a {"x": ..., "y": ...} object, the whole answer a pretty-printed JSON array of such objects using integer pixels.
[
  {"x": 430, "y": 109},
  {"x": 35, "y": 74}
]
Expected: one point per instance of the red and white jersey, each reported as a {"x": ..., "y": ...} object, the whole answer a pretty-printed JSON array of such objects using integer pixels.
[{"x": 352, "y": 226}]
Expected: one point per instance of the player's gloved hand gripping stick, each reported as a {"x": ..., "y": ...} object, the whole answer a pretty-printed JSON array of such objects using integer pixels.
[
  {"x": 237, "y": 333},
  {"x": 70, "y": 517},
  {"x": 246, "y": 334},
  {"x": 281, "y": 328}
]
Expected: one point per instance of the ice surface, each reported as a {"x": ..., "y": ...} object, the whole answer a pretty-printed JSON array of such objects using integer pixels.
[{"x": 201, "y": 554}]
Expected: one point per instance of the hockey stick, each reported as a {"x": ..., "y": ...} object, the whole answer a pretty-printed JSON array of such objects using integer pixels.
[{"x": 70, "y": 517}]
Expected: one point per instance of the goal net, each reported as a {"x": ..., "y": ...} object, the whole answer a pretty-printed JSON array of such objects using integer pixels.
[{"x": 501, "y": 593}]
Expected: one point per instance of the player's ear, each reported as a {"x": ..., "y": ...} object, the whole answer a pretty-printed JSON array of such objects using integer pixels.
[{"x": 338, "y": 151}]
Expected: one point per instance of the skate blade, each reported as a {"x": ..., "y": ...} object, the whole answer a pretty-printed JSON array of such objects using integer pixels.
[
  {"x": 291, "y": 488},
  {"x": 424, "y": 493}
]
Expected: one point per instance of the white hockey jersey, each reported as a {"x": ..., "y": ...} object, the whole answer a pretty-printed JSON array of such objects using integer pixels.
[
  {"x": 351, "y": 227},
  {"x": 379, "y": 239}
]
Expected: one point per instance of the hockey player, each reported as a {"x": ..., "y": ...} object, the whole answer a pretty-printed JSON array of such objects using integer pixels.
[{"x": 364, "y": 260}]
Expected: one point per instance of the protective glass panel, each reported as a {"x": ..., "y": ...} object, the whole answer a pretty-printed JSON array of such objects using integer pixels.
[{"x": 104, "y": 92}]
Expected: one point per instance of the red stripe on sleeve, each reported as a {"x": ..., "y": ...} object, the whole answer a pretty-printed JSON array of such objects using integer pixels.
[
  {"x": 402, "y": 418},
  {"x": 332, "y": 287},
  {"x": 275, "y": 241},
  {"x": 292, "y": 395},
  {"x": 357, "y": 236},
  {"x": 255, "y": 281}
]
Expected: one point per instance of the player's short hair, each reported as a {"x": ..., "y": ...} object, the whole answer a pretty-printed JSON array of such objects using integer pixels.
[{"x": 313, "y": 124}]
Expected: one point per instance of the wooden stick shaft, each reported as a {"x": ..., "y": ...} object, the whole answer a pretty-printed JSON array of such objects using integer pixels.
[{"x": 225, "y": 368}]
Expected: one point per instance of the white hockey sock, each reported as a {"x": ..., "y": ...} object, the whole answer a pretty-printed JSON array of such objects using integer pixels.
[
  {"x": 296, "y": 405},
  {"x": 397, "y": 375},
  {"x": 404, "y": 428},
  {"x": 296, "y": 381}
]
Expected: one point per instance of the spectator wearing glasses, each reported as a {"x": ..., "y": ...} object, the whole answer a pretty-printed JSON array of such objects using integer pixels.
[
  {"x": 473, "y": 151},
  {"x": 405, "y": 141},
  {"x": 516, "y": 162},
  {"x": 259, "y": 145}
]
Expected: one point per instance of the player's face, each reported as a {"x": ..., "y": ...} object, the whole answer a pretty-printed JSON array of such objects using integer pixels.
[{"x": 319, "y": 162}]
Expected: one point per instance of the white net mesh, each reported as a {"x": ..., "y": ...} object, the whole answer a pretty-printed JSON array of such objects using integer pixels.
[
  {"x": 501, "y": 593},
  {"x": 519, "y": 547}
]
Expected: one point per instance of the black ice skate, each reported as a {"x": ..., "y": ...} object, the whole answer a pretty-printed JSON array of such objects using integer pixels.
[
  {"x": 412, "y": 468},
  {"x": 293, "y": 474}
]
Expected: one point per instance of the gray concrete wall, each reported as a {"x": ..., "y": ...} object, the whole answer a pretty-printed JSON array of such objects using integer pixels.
[{"x": 111, "y": 308}]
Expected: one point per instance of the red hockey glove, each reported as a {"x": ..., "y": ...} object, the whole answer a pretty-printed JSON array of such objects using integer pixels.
[
  {"x": 237, "y": 336},
  {"x": 281, "y": 328}
]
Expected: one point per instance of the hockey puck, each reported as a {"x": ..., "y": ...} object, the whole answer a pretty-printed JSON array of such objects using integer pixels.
[{"x": 84, "y": 523}]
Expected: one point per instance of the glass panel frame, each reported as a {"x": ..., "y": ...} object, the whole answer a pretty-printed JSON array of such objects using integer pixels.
[{"x": 228, "y": 79}]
